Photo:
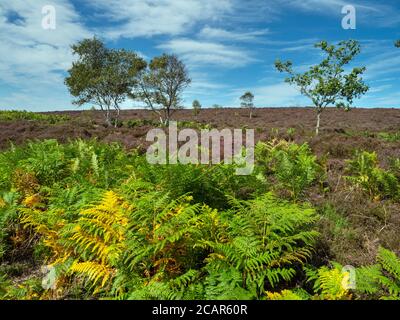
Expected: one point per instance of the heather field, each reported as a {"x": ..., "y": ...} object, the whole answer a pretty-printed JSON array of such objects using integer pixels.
[{"x": 79, "y": 197}]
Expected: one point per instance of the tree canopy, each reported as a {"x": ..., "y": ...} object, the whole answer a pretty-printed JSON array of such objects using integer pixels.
[
  {"x": 247, "y": 102},
  {"x": 329, "y": 82},
  {"x": 196, "y": 107},
  {"x": 103, "y": 76},
  {"x": 161, "y": 85}
]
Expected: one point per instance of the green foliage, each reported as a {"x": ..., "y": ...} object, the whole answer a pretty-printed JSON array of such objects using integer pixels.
[
  {"x": 64, "y": 178},
  {"x": 247, "y": 102},
  {"x": 149, "y": 239},
  {"x": 389, "y": 137},
  {"x": 196, "y": 107},
  {"x": 382, "y": 279},
  {"x": 49, "y": 163},
  {"x": 8, "y": 220},
  {"x": 328, "y": 83},
  {"x": 30, "y": 289},
  {"x": 266, "y": 240},
  {"x": 161, "y": 85},
  {"x": 293, "y": 166},
  {"x": 114, "y": 226},
  {"x": 291, "y": 132},
  {"x": 286, "y": 295},
  {"x": 330, "y": 283},
  {"x": 366, "y": 173},
  {"x": 338, "y": 223},
  {"x": 103, "y": 76},
  {"x": 15, "y": 115},
  {"x": 395, "y": 167},
  {"x": 205, "y": 183}
]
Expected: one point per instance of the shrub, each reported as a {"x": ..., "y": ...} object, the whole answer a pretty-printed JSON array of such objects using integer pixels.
[
  {"x": 382, "y": 279},
  {"x": 49, "y": 163},
  {"x": 208, "y": 184},
  {"x": 328, "y": 283},
  {"x": 32, "y": 116},
  {"x": 267, "y": 238},
  {"x": 395, "y": 167},
  {"x": 8, "y": 220},
  {"x": 366, "y": 173},
  {"x": 294, "y": 166},
  {"x": 142, "y": 244},
  {"x": 134, "y": 123},
  {"x": 389, "y": 137}
]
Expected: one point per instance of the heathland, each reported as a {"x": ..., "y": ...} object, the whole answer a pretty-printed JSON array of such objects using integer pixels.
[{"x": 81, "y": 208}]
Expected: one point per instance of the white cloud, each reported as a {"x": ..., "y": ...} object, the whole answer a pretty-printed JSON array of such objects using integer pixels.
[
  {"x": 205, "y": 33},
  {"x": 219, "y": 34},
  {"x": 381, "y": 88},
  {"x": 148, "y": 18},
  {"x": 380, "y": 13},
  {"x": 32, "y": 57},
  {"x": 197, "y": 53},
  {"x": 321, "y": 5},
  {"x": 382, "y": 65}
]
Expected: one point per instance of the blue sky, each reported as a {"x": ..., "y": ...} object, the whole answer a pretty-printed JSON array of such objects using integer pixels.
[{"x": 229, "y": 46}]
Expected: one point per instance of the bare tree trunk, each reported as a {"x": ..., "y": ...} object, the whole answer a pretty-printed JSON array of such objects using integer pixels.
[
  {"x": 318, "y": 122},
  {"x": 107, "y": 116},
  {"x": 117, "y": 117},
  {"x": 167, "y": 116}
]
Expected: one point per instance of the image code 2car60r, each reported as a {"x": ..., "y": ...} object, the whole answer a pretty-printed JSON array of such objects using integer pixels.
[{"x": 221, "y": 309}]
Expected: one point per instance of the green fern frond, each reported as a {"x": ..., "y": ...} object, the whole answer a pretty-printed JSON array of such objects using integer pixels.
[{"x": 390, "y": 262}]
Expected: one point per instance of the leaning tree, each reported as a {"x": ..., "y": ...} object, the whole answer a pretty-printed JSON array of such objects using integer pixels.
[
  {"x": 329, "y": 82},
  {"x": 161, "y": 85},
  {"x": 247, "y": 102},
  {"x": 103, "y": 77}
]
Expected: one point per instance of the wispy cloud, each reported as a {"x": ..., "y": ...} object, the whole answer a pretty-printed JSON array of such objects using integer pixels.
[
  {"x": 321, "y": 5},
  {"x": 381, "y": 13},
  {"x": 32, "y": 57},
  {"x": 147, "y": 18},
  {"x": 219, "y": 34},
  {"x": 212, "y": 37},
  {"x": 197, "y": 53}
]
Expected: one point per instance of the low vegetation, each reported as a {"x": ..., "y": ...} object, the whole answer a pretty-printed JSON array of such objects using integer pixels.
[
  {"x": 14, "y": 115},
  {"x": 91, "y": 220}
]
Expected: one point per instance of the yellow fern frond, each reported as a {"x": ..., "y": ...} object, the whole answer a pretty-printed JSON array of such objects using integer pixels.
[
  {"x": 332, "y": 284},
  {"x": 2, "y": 203},
  {"x": 31, "y": 218},
  {"x": 98, "y": 274},
  {"x": 100, "y": 231},
  {"x": 283, "y": 295},
  {"x": 93, "y": 244},
  {"x": 31, "y": 201},
  {"x": 99, "y": 238}
]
